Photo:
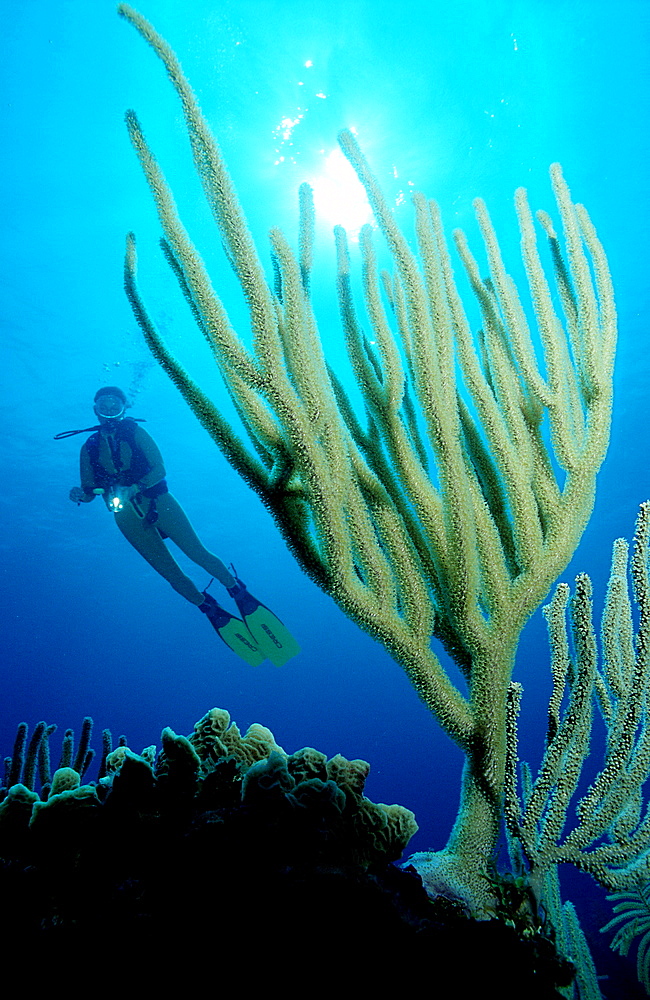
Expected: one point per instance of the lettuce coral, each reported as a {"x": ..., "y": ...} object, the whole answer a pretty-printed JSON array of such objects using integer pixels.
[{"x": 223, "y": 853}]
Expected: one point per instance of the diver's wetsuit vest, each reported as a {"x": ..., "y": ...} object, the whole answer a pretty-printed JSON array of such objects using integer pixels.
[{"x": 138, "y": 467}]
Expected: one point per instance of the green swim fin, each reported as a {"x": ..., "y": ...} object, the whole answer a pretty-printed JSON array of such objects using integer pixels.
[
  {"x": 232, "y": 631},
  {"x": 272, "y": 637}
]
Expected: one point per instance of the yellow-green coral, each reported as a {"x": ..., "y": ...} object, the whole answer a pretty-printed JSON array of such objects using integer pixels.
[
  {"x": 214, "y": 736},
  {"x": 461, "y": 500},
  {"x": 183, "y": 861},
  {"x": 219, "y": 766},
  {"x": 379, "y": 831},
  {"x": 16, "y": 809},
  {"x": 349, "y": 774},
  {"x": 82, "y": 795},
  {"x": 605, "y": 831},
  {"x": 367, "y": 831},
  {"x": 64, "y": 779}
]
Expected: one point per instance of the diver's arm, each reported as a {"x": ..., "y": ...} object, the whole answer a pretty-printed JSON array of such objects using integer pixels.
[
  {"x": 84, "y": 493},
  {"x": 153, "y": 456}
]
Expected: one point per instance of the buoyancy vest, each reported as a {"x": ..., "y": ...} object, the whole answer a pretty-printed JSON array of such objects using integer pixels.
[{"x": 138, "y": 466}]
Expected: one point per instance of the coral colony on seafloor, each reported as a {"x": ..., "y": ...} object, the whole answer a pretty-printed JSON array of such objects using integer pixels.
[
  {"x": 448, "y": 511},
  {"x": 223, "y": 855},
  {"x": 453, "y": 509}
]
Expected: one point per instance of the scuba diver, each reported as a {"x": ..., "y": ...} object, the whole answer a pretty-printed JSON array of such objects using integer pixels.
[{"x": 121, "y": 463}]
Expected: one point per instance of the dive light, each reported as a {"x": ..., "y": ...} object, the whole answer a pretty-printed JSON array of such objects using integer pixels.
[{"x": 115, "y": 499}]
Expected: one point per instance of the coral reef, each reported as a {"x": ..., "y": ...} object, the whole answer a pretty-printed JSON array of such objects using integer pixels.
[
  {"x": 597, "y": 818},
  {"x": 450, "y": 500},
  {"x": 225, "y": 855},
  {"x": 30, "y": 761}
]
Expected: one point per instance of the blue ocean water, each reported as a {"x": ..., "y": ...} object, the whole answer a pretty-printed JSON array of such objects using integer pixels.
[{"x": 457, "y": 99}]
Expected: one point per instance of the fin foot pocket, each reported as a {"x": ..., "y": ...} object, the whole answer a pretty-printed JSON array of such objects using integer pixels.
[
  {"x": 271, "y": 635},
  {"x": 233, "y": 631}
]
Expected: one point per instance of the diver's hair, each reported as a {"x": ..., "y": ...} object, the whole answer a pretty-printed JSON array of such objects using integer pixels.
[{"x": 111, "y": 390}]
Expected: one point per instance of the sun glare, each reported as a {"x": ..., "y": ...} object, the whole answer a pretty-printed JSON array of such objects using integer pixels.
[{"x": 339, "y": 198}]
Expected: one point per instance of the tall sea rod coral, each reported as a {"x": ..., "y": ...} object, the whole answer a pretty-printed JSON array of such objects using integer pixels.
[{"x": 451, "y": 509}]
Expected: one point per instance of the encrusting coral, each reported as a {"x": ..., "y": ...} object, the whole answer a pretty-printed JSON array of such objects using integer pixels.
[
  {"x": 222, "y": 850},
  {"x": 367, "y": 832}
]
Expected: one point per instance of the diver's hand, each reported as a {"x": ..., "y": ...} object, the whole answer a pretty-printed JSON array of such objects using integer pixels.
[{"x": 77, "y": 495}]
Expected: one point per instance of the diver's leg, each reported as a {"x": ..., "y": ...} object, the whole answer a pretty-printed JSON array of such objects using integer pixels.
[
  {"x": 175, "y": 523},
  {"x": 149, "y": 544}
]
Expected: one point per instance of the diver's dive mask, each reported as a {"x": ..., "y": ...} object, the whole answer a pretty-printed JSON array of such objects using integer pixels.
[{"x": 110, "y": 407}]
